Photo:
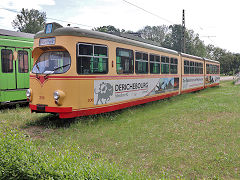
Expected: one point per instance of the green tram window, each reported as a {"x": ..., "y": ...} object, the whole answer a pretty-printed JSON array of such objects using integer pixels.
[
  {"x": 164, "y": 65},
  {"x": 174, "y": 66},
  {"x": 92, "y": 59},
  {"x": 23, "y": 62},
  {"x": 124, "y": 60},
  {"x": 154, "y": 64},
  {"x": 141, "y": 65},
  {"x": 7, "y": 60}
]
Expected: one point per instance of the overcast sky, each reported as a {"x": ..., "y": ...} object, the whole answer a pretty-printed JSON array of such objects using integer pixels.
[{"x": 217, "y": 22}]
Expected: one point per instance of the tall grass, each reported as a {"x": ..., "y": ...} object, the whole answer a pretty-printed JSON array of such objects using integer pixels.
[{"x": 189, "y": 136}]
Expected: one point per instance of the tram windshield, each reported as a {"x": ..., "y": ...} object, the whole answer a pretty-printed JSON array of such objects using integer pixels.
[{"x": 52, "y": 62}]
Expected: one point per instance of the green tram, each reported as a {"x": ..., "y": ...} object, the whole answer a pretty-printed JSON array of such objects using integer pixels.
[{"x": 16, "y": 62}]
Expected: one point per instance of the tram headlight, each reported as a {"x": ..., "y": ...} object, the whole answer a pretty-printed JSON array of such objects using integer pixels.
[
  {"x": 29, "y": 94},
  {"x": 58, "y": 96}
]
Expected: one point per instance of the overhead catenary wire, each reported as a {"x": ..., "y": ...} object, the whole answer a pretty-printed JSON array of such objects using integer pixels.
[
  {"x": 15, "y": 11},
  {"x": 149, "y": 12}
]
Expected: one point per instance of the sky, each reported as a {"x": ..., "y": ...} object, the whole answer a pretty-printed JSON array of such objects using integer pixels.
[{"x": 216, "y": 22}]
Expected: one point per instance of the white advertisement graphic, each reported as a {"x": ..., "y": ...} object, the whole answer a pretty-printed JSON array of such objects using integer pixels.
[
  {"x": 192, "y": 82},
  {"x": 212, "y": 79},
  {"x": 108, "y": 91}
]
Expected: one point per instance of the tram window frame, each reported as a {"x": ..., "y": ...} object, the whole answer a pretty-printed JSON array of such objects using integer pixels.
[
  {"x": 23, "y": 66},
  {"x": 88, "y": 62},
  {"x": 192, "y": 67},
  {"x": 173, "y": 65},
  {"x": 200, "y": 68},
  {"x": 141, "y": 62},
  {"x": 186, "y": 67},
  {"x": 155, "y": 64},
  {"x": 165, "y": 65},
  {"x": 124, "y": 62},
  {"x": 7, "y": 62}
]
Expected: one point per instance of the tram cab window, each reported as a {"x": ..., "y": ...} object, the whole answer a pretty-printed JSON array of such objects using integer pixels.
[
  {"x": 154, "y": 64},
  {"x": 52, "y": 62},
  {"x": 7, "y": 60},
  {"x": 92, "y": 59},
  {"x": 22, "y": 61},
  {"x": 124, "y": 60},
  {"x": 141, "y": 64}
]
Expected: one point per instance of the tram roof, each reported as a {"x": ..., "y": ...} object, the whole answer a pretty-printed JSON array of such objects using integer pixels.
[
  {"x": 213, "y": 61},
  {"x": 199, "y": 58},
  {"x": 4, "y": 32},
  {"x": 116, "y": 37}
]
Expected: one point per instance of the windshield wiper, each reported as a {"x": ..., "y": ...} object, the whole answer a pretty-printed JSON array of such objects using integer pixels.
[
  {"x": 60, "y": 67},
  {"x": 38, "y": 69},
  {"x": 51, "y": 72}
]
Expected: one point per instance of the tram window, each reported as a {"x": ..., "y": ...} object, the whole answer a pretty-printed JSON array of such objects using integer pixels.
[
  {"x": 22, "y": 61},
  {"x": 52, "y": 62},
  {"x": 7, "y": 60},
  {"x": 124, "y": 60},
  {"x": 154, "y": 64},
  {"x": 192, "y": 67},
  {"x": 196, "y": 68},
  {"x": 207, "y": 69},
  {"x": 212, "y": 69},
  {"x": 186, "y": 67},
  {"x": 85, "y": 49},
  {"x": 164, "y": 65},
  {"x": 173, "y": 66},
  {"x": 92, "y": 59},
  {"x": 141, "y": 63},
  {"x": 200, "y": 68}
]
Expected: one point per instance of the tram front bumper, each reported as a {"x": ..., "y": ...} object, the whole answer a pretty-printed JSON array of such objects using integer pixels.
[{"x": 44, "y": 108}]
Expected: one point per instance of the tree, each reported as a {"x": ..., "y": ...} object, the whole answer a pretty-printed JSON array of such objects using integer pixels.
[
  {"x": 29, "y": 21},
  {"x": 108, "y": 28},
  {"x": 154, "y": 33},
  {"x": 194, "y": 45}
]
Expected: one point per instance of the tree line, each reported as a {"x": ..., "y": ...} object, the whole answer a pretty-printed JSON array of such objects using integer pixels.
[{"x": 32, "y": 21}]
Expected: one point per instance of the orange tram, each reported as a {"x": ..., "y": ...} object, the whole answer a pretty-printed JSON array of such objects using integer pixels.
[{"x": 81, "y": 72}]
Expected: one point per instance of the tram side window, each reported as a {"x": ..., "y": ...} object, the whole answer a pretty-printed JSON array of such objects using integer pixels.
[
  {"x": 212, "y": 69},
  {"x": 124, "y": 60},
  {"x": 7, "y": 60},
  {"x": 92, "y": 59},
  {"x": 173, "y": 66},
  {"x": 207, "y": 69},
  {"x": 154, "y": 64},
  {"x": 22, "y": 61},
  {"x": 200, "y": 68},
  {"x": 164, "y": 65},
  {"x": 192, "y": 67},
  {"x": 141, "y": 63},
  {"x": 186, "y": 67}
]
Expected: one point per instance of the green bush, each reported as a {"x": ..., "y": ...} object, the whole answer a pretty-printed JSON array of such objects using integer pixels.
[{"x": 19, "y": 159}]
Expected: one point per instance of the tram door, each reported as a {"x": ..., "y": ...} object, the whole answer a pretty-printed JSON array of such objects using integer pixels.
[
  {"x": 7, "y": 70},
  {"x": 22, "y": 65},
  {"x": 14, "y": 68}
]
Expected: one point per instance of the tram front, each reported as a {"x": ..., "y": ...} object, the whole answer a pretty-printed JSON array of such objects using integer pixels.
[{"x": 52, "y": 62}]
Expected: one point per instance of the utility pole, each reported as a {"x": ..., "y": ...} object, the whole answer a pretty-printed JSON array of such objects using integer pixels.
[{"x": 183, "y": 49}]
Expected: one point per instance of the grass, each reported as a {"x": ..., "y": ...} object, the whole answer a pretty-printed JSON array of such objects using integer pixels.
[{"x": 194, "y": 135}]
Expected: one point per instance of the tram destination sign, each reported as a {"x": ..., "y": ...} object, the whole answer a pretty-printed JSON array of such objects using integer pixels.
[{"x": 47, "y": 41}]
